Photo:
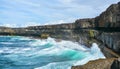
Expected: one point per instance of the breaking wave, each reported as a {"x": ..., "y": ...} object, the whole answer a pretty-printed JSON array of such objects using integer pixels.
[{"x": 18, "y": 52}]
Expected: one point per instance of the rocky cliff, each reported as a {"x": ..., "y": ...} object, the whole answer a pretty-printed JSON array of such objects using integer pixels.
[
  {"x": 97, "y": 64},
  {"x": 109, "y": 18},
  {"x": 103, "y": 29}
]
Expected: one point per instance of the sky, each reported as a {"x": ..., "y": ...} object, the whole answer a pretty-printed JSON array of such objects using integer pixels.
[{"x": 22, "y": 13}]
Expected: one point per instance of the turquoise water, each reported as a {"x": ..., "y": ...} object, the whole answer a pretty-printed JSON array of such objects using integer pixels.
[{"x": 18, "y": 52}]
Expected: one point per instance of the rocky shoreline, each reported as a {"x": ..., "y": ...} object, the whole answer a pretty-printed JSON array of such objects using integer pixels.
[
  {"x": 103, "y": 29},
  {"x": 97, "y": 64}
]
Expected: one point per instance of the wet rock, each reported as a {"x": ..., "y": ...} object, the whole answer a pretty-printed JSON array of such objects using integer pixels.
[{"x": 116, "y": 64}]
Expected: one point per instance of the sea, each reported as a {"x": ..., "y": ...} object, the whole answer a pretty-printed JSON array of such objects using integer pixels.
[{"x": 19, "y": 52}]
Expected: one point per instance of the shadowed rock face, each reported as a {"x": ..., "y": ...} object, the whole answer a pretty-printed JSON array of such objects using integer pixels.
[
  {"x": 116, "y": 64},
  {"x": 112, "y": 40}
]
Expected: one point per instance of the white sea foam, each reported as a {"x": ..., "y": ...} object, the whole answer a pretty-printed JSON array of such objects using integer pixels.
[
  {"x": 57, "y": 65},
  {"x": 13, "y": 50},
  {"x": 42, "y": 42},
  {"x": 61, "y": 55},
  {"x": 6, "y": 43},
  {"x": 57, "y": 46},
  {"x": 94, "y": 54},
  {"x": 71, "y": 45}
]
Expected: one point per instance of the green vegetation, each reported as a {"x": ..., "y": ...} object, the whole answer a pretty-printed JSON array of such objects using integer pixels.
[{"x": 44, "y": 36}]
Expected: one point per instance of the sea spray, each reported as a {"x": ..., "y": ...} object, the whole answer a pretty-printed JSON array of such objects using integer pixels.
[
  {"x": 18, "y": 52},
  {"x": 94, "y": 54}
]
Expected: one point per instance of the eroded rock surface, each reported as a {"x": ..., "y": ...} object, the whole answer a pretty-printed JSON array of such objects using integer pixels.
[{"x": 97, "y": 64}]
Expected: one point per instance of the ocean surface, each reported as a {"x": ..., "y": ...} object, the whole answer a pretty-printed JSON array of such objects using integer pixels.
[{"x": 18, "y": 52}]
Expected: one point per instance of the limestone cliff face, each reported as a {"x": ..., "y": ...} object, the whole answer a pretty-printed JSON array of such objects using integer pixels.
[
  {"x": 55, "y": 31},
  {"x": 109, "y": 18},
  {"x": 85, "y": 23},
  {"x": 111, "y": 40}
]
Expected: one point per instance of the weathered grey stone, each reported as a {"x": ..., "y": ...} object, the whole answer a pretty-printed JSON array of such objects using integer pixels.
[{"x": 84, "y": 23}]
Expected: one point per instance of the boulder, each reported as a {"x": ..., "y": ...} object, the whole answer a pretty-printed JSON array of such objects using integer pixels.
[{"x": 116, "y": 64}]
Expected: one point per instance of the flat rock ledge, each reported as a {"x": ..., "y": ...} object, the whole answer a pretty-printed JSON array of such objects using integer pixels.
[{"x": 99, "y": 64}]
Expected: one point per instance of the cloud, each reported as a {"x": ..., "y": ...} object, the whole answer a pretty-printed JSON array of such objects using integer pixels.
[
  {"x": 20, "y": 25},
  {"x": 66, "y": 1},
  {"x": 40, "y": 12},
  {"x": 37, "y": 24},
  {"x": 8, "y": 25},
  {"x": 30, "y": 24},
  {"x": 55, "y": 22},
  {"x": 28, "y": 3}
]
